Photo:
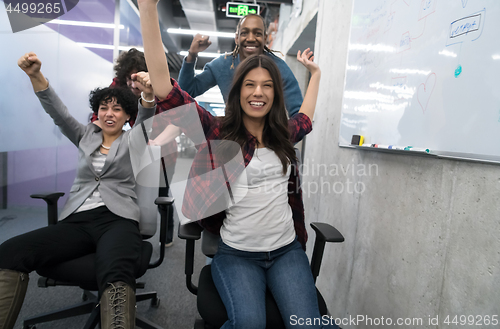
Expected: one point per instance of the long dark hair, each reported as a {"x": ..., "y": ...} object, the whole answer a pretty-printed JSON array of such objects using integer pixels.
[{"x": 275, "y": 135}]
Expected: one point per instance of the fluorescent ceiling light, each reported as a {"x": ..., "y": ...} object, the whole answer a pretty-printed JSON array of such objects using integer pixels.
[
  {"x": 202, "y": 54},
  {"x": 86, "y": 24},
  {"x": 496, "y": 57},
  {"x": 209, "y": 33},
  {"x": 217, "y": 105}
]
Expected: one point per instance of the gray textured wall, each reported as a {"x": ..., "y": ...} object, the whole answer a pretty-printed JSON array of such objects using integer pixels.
[{"x": 422, "y": 236}]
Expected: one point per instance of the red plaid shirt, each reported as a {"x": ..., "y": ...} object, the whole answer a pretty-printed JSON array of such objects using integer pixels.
[
  {"x": 205, "y": 186},
  {"x": 168, "y": 151}
]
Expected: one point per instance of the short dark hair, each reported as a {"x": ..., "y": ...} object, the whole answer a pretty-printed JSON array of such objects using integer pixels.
[
  {"x": 250, "y": 15},
  {"x": 124, "y": 96},
  {"x": 127, "y": 62},
  {"x": 236, "y": 49}
]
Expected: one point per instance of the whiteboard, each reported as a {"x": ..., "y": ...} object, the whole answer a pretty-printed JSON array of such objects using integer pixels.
[{"x": 426, "y": 74}]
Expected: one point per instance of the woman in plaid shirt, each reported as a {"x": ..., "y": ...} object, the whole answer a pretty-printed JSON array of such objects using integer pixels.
[{"x": 249, "y": 194}]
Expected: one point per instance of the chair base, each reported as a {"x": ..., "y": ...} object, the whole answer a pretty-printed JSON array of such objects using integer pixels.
[{"x": 90, "y": 305}]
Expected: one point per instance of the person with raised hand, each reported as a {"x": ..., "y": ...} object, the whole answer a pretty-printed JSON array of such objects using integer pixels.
[
  {"x": 250, "y": 38},
  {"x": 261, "y": 225},
  {"x": 128, "y": 64},
  {"x": 101, "y": 215}
]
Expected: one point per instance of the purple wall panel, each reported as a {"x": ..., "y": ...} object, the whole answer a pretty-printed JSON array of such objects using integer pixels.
[
  {"x": 107, "y": 54},
  {"x": 40, "y": 170},
  {"x": 101, "y": 11},
  {"x": 90, "y": 11},
  {"x": 86, "y": 34}
]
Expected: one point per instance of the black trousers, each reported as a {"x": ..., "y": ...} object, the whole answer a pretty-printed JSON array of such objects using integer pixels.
[{"x": 115, "y": 240}]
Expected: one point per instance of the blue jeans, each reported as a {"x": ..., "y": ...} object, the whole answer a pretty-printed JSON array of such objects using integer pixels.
[{"x": 241, "y": 278}]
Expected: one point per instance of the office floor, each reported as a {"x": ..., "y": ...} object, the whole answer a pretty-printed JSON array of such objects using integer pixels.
[{"x": 177, "y": 308}]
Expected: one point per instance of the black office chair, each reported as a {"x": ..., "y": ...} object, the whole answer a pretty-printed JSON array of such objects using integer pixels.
[
  {"x": 81, "y": 272},
  {"x": 210, "y": 306},
  {"x": 209, "y": 303}
]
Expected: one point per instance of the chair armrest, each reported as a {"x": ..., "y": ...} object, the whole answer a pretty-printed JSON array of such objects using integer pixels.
[
  {"x": 165, "y": 205},
  {"x": 324, "y": 233},
  {"x": 50, "y": 196},
  {"x": 51, "y": 199},
  {"x": 163, "y": 200},
  {"x": 327, "y": 232},
  {"x": 209, "y": 243},
  {"x": 190, "y": 231}
]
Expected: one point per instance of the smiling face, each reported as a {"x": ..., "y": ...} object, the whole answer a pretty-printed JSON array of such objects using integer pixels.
[
  {"x": 257, "y": 94},
  {"x": 112, "y": 117},
  {"x": 251, "y": 37}
]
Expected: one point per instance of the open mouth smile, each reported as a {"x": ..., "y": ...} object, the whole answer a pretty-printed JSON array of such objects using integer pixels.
[{"x": 257, "y": 105}]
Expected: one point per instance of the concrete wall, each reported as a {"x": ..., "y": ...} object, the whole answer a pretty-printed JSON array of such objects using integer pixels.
[{"x": 422, "y": 235}]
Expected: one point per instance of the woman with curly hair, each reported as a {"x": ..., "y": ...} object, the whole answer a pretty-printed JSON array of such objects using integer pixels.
[{"x": 101, "y": 215}]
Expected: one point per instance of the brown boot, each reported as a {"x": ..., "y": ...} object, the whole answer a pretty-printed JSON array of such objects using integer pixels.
[
  {"x": 118, "y": 306},
  {"x": 13, "y": 287}
]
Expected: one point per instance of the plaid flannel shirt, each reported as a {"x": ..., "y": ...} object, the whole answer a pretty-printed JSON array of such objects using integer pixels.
[
  {"x": 204, "y": 188},
  {"x": 168, "y": 151}
]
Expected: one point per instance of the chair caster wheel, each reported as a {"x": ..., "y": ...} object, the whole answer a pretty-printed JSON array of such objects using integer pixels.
[
  {"x": 29, "y": 327},
  {"x": 84, "y": 297},
  {"x": 155, "y": 302}
]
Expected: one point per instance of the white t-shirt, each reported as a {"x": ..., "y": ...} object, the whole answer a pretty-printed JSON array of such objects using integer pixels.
[{"x": 262, "y": 219}]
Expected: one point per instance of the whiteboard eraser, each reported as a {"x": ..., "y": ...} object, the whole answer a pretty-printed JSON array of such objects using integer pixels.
[{"x": 357, "y": 140}]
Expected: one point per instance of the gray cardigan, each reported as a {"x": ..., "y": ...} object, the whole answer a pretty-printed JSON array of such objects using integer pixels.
[{"x": 116, "y": 181}]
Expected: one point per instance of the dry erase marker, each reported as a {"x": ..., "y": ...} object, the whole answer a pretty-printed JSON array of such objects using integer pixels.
[
  {"x": 411, "y": 148},
  {"x": 420, "y": 150},
  {"x": 393, "y": 147}
]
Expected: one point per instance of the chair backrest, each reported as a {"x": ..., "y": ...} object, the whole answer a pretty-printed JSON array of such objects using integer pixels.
[
  {"x": 146, "y": 188},
  {"x": 145, "y": 161}
]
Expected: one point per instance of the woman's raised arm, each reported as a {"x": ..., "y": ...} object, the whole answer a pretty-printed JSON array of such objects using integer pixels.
[
  {"x": 31, "y": 65},
  {"x": 153, "y": 48},
  {"x": 309, "y": 103},
  {"x": 51, "y": 103}
]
